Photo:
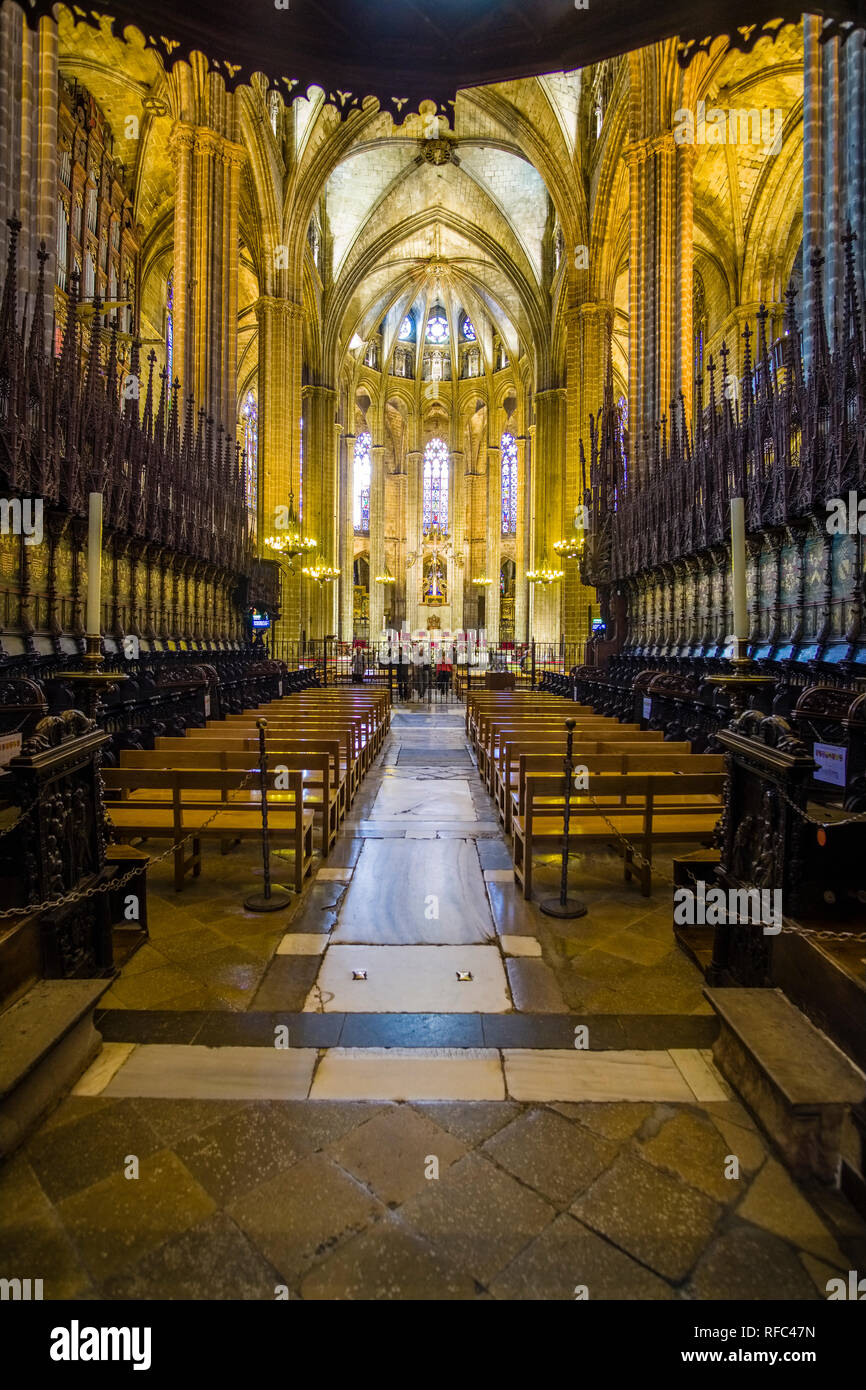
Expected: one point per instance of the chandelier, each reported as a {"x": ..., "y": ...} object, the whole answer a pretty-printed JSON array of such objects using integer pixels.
[
  {"x": 291, "y": 541},
  {"x": 386, "y": 578},
  {"x": 322, "y": 574},
  {"x": 545, "y": 575},
  {"x": 482, "y": 581},
  {"x": 570, "y": 548}
]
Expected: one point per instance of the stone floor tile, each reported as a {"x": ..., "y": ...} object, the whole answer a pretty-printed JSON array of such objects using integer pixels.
[
  {"x": 617, "y": 1121},
  {"x": 477, "y": 1217},
  {"x": 303, "y": 1213},
  {"x": 33, "y": 1241},
  {"x": 703, "y": 1078},
  {"x": 521, "y": 946},
  {"x": 547, "y": 1153},
  {"x": 567, "y": 1259},
  {"x": 656, "y": 1219},
  {"x": 547, "y": 1075},
  {"x": 533, "y": 987},
  {"x": 473, "y": 1121},
  {"x": 111, "y": 1057},
  {"x": 302, "y": 944},
  {"x": 390, "y": 1153},
  {"x": 212, "y": 1261},
  {"x": 387, "y": 1262},
  {"x": 692, "y": 1147},
  {"x": 774, "y": 1202},
  {"x": 117, "y": 1222},
  {"x": 748, "y": 1264},
  {"x": 86, "y": 1150},
  {"x": 215, "y": 1073},
  {"x": 286, "y": 984},
  {"x": 374, "y": 1073},
  {"x": 412, "y": 979}
]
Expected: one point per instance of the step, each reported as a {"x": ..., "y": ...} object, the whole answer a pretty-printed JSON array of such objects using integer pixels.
[
  {"x": 799, "y": 1085},
  {"x": 47, "y": 1039}
]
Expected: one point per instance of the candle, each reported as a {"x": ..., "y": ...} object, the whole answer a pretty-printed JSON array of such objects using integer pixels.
[
  {"x": 738, "y": 572},
  {"x": 93, "y": 624}
]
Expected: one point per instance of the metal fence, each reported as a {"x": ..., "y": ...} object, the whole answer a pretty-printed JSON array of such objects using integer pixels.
[{"x": 432, "y": 677}]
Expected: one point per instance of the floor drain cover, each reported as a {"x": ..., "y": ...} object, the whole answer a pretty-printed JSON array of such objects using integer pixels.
[
  {"x": 359, "y": 974},
  {"x": 464, "y": 976}
]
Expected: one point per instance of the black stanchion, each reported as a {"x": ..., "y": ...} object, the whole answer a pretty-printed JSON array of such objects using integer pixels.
[
  {"x": 267, "y": 901},
  {"x": 564, "y": 906}
]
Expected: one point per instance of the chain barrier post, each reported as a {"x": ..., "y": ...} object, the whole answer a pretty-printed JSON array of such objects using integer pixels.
[
  {"x": 267, "y": 901},
  {"x": 563, "y": 906}
]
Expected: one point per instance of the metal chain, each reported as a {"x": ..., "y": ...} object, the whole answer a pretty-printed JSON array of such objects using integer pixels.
[
  {"x": 856, "y": 817},
  {"x": 115, "y": 884},
  {"x": 644, "y": 863},
  {"x": 25, "y": 815}
]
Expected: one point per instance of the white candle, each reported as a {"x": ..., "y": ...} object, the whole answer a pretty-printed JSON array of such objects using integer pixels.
[
  {"x": 738, "y": 571},
  {"x": 93, "y": 624}
]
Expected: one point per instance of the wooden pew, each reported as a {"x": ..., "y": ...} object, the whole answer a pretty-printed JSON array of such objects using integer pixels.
[
  {"x": 494, "y": 730},
  {"x": 658, "y": 807},
  {"x": 200, "y": 741},
  {"x": 136, "y": 804},
  {"x": 321, "y": 795},
  {"x": 548, "y": 756}
]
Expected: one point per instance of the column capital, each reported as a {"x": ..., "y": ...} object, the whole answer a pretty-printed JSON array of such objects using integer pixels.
[{"x": 271, "y": 304}]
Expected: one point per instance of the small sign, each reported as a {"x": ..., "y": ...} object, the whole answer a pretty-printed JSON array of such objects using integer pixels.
[
  {"x": 832, "y": 760},
  {"x": 261, "y": 622},
  {"x": 647, "y": 707}
]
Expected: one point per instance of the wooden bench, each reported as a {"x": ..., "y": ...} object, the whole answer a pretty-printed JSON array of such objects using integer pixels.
[
  {"x": 587, "y": 726},
  {"x": 601, "y": 754},
  {"x": 321, "y": 796},
  {"x": 199, "y": 740},
  {"x": 138, "y": 807},
  {"x": 657, "y": 807}
]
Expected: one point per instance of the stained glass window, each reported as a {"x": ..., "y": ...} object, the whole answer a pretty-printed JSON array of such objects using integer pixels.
[
  {"x": 407, "y": 329},
  {"x": 169, "y": 326},
  {"x": 508, "y": 458},
  {"x": 436, "y": 486},
  {"x": 250, "y": 417},
  {"x": 363, "y": 476},
  {"x": 469, "y": 330},
  {"x": 622, "y": 413},
  {"x": 437, "y": 327}
]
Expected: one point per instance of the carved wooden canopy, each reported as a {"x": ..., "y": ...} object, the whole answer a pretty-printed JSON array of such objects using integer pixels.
[{"x": 404, "y": 52}]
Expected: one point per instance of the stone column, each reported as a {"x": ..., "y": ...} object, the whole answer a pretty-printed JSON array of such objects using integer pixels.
[
  {"x": 524, "y": 537},
  {"x": 28, "y": 149},
  {"x": 415, "y": 465},
  {"x": 280, "y": 340},
  {"x": 377, "y": 540},
  {"x": 347, "y": 538},
  {"x": 548, "y": 495},
  {"x": 459, "y": 577},
  {"x": 207, "y": 183},
  {"x": 494, "y": 543},
  {"x": 320, "y": 492}
]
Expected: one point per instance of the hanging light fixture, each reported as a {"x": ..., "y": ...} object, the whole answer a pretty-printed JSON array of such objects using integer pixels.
[
  {"x": 545, "y": 575},
  {"x": 482, "y": 581},
  {"x": 322, "y": 574},
  {"x": 291, "y": 541},
  {"x": 569, "y": 548},
  {"x": 386, "y": 578}
]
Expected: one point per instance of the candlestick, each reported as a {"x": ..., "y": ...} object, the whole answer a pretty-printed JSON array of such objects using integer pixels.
[
  {"x": 738, "y": 575},
  {"x": 93, "y": 623}
]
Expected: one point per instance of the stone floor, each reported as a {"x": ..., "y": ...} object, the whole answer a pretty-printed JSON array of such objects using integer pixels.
[{"x": 259, "y": 1119}]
